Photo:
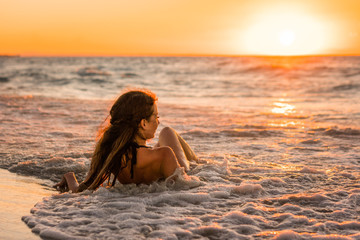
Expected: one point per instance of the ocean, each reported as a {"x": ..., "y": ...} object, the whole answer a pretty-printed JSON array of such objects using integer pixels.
[{"x": 278, "y": 140}]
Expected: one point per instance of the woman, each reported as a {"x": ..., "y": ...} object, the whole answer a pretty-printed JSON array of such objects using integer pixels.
[{"x": 122, "y": 151}]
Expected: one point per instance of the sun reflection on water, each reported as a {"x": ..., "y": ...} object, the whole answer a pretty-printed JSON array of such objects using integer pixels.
[
  {"x": 281, "y": 107},
  {"x": 285, "y": 115},
  {"x": 284, "y": 124}
]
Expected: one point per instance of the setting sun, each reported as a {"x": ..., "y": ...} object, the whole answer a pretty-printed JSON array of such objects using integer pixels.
[
  {"x": 281, "y": 32},
  {"x": 287, "y": 37}
]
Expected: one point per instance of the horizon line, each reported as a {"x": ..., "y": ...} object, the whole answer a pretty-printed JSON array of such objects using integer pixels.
[{"x": 182, "y": 55}]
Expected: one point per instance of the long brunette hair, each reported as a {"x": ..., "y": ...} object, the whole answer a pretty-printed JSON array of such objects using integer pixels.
[{"x": 115, "y": 147}]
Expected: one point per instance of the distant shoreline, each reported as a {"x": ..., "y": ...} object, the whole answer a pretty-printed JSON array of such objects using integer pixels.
[
  {"x": 9, "y": 56},
  {"x": 179, "y": 56}
]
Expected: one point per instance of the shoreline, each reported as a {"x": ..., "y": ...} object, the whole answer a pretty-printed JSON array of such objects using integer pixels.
[{"x": 19, "y": 195}]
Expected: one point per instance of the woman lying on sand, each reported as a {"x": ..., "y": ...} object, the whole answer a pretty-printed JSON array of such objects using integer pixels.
[{"x": 122, "y": 149}]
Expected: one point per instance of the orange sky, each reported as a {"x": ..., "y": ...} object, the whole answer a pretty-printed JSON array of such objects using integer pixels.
[{"x": 179, "y": 27}]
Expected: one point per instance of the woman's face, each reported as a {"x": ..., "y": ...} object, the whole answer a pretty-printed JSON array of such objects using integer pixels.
[{"x": 152, "y": 123}]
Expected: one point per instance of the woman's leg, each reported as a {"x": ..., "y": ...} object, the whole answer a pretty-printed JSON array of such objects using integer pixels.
[
  {"x": 183, "y": 152},
  {"x": 189, "y": 153}
]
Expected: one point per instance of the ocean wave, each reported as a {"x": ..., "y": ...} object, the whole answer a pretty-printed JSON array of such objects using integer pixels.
[
  {"x": 62, "y": 134},
  {"x": 237, "y": 133},
  {"x": 129, "y": 75},
  {"x": 30, "y": 76},
  {"x": 4, "y": 79},
  {"x": 337, "y": 132},
  {"x": 311, "y": 142},
  {"x": 336, "y": 90},
  {"x": 349, "y": 71},
  {"x": 331, "y": 225},
  {"x": 260, "y": 68},
  {"x": 340, "y": 133},
  {"x": 254, "y": 126},
  {"x": 293, "y": 235},
  {"x": 92, "y": 71},
  {"x": 345, "y": 87},
  {"x": 98, "y": 80},
  {"x": 59, "y": 81},
  {"x": 309, "y": 149},
  {"x": 217, "y": 232},
  {"x": 311, "y": 170},
  {"x": 52, "y": 168}
]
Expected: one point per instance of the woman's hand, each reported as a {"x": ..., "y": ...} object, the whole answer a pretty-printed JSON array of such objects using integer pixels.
[
  {"x": 62, "y": 186},
  {"x": 68, "y": 182}
]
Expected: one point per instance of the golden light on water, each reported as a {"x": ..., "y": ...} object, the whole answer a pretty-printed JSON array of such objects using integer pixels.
[
  {"x": 283, "y": 108},
  {"x": 286, "y": 115},
  {"x": 283, "y": 123}
]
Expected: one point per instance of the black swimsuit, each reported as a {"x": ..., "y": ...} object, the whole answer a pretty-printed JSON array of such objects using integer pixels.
[{"x": 134, "y": 158}]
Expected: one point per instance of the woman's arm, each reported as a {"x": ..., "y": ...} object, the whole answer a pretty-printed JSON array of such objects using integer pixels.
[{"x": 189, "y": 153}]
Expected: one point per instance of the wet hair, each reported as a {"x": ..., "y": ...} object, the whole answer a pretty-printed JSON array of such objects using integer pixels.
[{"x": 116, "y": 147}]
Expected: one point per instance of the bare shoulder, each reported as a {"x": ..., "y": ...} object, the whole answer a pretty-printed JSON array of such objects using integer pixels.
[
  {"x": 149, "y": 156},
  {"x": 160, "y": 159}
]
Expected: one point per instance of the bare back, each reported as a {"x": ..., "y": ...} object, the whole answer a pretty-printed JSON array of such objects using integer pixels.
[{"x": 152, "y": 165}]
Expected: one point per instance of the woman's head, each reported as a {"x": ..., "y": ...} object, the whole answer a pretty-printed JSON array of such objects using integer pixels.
[{"x": 134, "y": 109}]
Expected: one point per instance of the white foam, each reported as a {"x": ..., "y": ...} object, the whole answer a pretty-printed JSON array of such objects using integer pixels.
[
  {"x": 289, "y": 234},
  {"x": 274, "y": 181},
  {"x": 52, "y": 233},
  {"x": 304, "y": 198},
  {"x": 53, "y": 167},
  {"x": 245, "y": 189},
  {"x": 288, "y": 220},
  {"x": 311, "y": 170},
  {"x": 216, "y": 231},
  {"x": 348, "y": 225},
  {"x": 290, "y": 208},
  {"x": 238, "y": 218}
]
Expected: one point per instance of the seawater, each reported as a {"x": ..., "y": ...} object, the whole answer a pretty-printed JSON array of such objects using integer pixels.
[{"x": 278, "y": 140}]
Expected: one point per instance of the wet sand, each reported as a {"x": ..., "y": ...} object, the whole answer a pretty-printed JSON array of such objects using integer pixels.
[{"x": 18, "y": 195}]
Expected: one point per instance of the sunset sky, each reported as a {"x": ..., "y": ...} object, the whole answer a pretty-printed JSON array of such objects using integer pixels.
[{"x": 179, "y": 27}]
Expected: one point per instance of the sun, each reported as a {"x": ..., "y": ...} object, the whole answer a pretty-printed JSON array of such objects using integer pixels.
[
  {"x": 284, "y": 32},
  {"x": 286, "y": 37}
]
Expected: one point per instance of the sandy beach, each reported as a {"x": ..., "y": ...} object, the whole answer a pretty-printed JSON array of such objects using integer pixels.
[{"x": 18, "y": 196}]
